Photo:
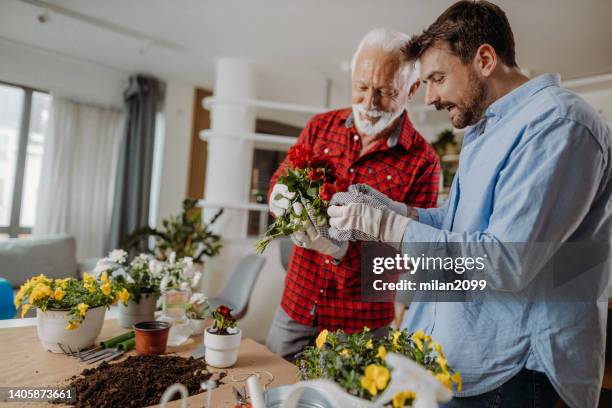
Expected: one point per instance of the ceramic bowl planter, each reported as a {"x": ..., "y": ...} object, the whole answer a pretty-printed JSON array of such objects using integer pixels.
[
  {"x": 222, "y": 349},
  {"x": 133, "y": 313},
  {"x": 51, "y": 328}
]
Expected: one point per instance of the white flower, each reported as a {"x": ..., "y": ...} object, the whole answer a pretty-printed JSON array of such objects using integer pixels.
[
  {"x": 172, "y": 257},
  {"x": 156, "y": 268},
  {"x": 118, "y": 255},
  {"x": 184, "y": 286},
  {"x": 196, "y": 278},
  {"x": 188, "y": 261},
  {"x": 164, "y": 283},
  {"x": 100, "y": 269},
  {"x": 197, "y": 298}
]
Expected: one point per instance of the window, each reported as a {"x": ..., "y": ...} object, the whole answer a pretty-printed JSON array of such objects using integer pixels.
[{"x": 24, "y": 113}]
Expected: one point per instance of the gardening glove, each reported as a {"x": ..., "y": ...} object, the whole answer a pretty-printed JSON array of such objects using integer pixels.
[
  {"x": 395, "y": 206},
  {"x": 279, "y": 199},
  {"x": 313, "y": 240},
  {"x": 356, "y": 216}
]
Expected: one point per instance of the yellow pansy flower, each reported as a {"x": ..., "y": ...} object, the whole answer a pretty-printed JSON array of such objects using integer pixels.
[
  {"x": 445, "y": 379},
  {"x": 40, "y": 291},
  {"x": 370, "y": 344},
  {"x": 123, "y": 295},
  {"x": 59, "y": 294},
  {"x": 71, "y": 326},
  {"x": 104, "y": 277},
  {"x": 321, "y": 338},
  {"x": 87, "y": 277},
  {"x": 345, "y": 353},
  {"x": 25, "y": 309},
  {"x": 443, "y": 363},
  {"x": 418, "y": 337},
  {"x": 106, "y": 288},
  {"x": 382, "y": 352},
  {"x": 82, "y": 308},
  {"x": 456, "y": 378},
  {"x": 399, "y": 399},
  {"x": 90, "y": 286},
  {"x": 395, "y": 338},
  {"x": 375, "y": 378}
]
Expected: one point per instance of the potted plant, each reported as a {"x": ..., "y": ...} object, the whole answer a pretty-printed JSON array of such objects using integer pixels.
[
  {"x": 198, "y": 310},
  {"x": 141, "y": 278},
  {"x": 222, "y": 339},
  {"x": 359, "y": 366},
  {"x": 69, "y": 311},
  {"x": 184, "y": 235}
]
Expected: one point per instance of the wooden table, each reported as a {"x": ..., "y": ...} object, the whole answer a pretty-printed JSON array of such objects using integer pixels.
[{"x": 24, "y": 362}]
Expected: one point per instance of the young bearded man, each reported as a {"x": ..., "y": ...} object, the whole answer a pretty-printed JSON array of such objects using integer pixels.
[
  {"x": 372, "y": 143},
  {"x": 535, "y": 167}
]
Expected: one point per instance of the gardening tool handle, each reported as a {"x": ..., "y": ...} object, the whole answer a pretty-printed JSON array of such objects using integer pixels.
[
  {"x": 127, "y": 345},
  {"x": 118, "y": 339}
]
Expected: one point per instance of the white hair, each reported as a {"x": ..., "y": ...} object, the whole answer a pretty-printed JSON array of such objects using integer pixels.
[{"x": 392, "y": 42}]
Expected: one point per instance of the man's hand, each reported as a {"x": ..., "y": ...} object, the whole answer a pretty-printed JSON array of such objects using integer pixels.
[
  {"x": 395, "y": 206},
  {"x": 356, "y": 216},
  {"x": 311, "y": 239},
  {"x": 279, "y": 199}
]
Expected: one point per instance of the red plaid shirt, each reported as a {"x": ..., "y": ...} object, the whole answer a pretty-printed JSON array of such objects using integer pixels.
[{"x": 404, "y": 167}]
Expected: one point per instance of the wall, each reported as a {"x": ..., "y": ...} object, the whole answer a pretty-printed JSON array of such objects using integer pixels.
[{"x": 61, "y": 75}]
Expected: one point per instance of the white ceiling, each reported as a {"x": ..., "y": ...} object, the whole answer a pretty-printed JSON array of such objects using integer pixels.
[{"x": 567, "y": 36}]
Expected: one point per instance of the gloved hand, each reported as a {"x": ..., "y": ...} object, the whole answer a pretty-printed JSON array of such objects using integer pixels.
[
  {"x": 311, "y": 239},
  {"x": 357, "y": 216},
  {"x": 380, "y": 198},
  {"x": 279, "y": 199}
]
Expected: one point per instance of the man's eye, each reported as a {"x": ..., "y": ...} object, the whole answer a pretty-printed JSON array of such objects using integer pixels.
[
  {"x": 439, "y": 80},
  {"x": 363, "y": 88}
]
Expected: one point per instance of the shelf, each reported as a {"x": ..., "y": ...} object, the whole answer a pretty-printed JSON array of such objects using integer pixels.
[
  {"x": 210, "y": 101},
  {"x": 233, "y": 206},
  {"x": 255, "y": 137}
]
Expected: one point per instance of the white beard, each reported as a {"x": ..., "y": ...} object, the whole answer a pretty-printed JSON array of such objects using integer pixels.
[{"x": 373, "y": 129}]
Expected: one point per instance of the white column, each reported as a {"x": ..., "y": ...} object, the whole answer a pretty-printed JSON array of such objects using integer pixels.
[{"x": 228, "y": 168}]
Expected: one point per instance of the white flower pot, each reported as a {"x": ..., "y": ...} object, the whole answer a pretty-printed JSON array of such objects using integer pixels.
[
  {"x": 222, "y": 350},
  {"x": 51, "y": 328},
  {"x": 197, "y": 326},
  {"x": 143, "y": 311}
]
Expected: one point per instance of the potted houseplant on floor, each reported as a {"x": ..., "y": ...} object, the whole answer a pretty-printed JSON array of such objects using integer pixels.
[
  {"x": 141, "y": 278},
  {"x": 69, "y": 311},
  {"x": 222, "y": 339},
  {"x": 198, "y": 310}
]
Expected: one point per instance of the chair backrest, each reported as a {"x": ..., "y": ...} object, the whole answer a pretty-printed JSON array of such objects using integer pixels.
[
  {"x": 286, "y": 246},
  {"x": 238, "y": 290}
]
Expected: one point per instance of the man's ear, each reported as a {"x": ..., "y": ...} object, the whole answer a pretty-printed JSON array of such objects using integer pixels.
[
  {"x": 485, "y": 60},
  {"x": 413, "y": 88}
]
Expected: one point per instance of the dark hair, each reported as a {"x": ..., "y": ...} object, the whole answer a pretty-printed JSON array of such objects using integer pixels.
[{"x": 465, "y": 26}]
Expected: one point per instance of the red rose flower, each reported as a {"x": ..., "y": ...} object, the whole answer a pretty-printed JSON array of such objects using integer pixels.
[
  {"x": 326, "y": 191},
  {"x": 342, "y": 184},
  {"x": 316, "y": 174},
  {"x": 300, "y": 155},
  {"x": 224, "y": 311}
]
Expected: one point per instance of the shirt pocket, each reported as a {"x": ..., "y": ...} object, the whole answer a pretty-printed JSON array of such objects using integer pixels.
[{"x": 388, "y": 180}]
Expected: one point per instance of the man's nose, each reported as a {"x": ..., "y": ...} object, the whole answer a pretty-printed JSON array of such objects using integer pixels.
[
  {"x": 430, "y": 95},
  {"x": 370, "y": 99}
]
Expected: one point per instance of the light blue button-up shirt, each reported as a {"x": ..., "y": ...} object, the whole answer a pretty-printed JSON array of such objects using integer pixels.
[{"x": 539, "y": 172}]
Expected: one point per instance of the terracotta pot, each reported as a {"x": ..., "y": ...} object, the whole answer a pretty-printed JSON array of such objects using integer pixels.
[
  {"x": 143, "y": 311},
  {"x": 151, "y": 337},
  {"x": 50, "y": 326}
]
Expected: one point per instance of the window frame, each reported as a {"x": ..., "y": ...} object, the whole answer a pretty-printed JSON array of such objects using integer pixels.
[{"x": 14, "y": 229}]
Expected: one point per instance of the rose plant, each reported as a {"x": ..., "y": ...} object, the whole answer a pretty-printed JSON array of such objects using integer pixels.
[{"x": 314, "y": 181}]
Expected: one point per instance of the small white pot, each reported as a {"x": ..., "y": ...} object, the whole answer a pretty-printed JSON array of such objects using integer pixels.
[
  {"x": 133, "y": 313},
  {"x": 51, "y": 324},
  {"x": 222, "y": 350},
  {"x": 197, "y": 326}
]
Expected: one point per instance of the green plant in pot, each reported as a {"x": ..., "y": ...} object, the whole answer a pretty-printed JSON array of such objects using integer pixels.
[
  {"x": 222, "y": 339},
  {"x": 198, "y": 310},
  {"x": 141, "y": 278},
  {"x": 185, "y": 235}
]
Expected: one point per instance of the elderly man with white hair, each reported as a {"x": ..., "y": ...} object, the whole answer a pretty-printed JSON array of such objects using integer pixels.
[{"x": 372, "y": 144}]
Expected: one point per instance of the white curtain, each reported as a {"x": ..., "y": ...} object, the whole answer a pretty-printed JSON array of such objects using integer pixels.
[{"x": 78, "y": 169}]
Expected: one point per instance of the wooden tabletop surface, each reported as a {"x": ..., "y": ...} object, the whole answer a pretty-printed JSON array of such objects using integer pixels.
[{"x": 24, "y": 362}]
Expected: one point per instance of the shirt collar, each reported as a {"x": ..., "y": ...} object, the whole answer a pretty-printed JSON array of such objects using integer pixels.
[
  {"x": 402, "y": 134},
  {"x": 504, "y": 104}
]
